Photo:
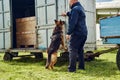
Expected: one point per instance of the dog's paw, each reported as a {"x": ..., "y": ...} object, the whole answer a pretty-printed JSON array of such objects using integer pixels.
[{"x": 47, "y": 66}]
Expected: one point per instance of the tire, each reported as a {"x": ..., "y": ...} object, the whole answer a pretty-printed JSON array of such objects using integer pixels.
[
  {"x": 88, "y": 56},
  {"x": 118, "y": 59},
  {"x": 7, "y": 56},
  {"x": 64, "y": 56},
  {"x": 38, "y": 55}
]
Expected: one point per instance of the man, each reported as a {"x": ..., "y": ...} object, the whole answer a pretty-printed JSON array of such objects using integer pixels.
[{"x": 76, "y": 34}]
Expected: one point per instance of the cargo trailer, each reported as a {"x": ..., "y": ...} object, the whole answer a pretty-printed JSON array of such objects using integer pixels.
[
  {"x": 26, "y": 25},
  {"x": 110, "y": 33}
]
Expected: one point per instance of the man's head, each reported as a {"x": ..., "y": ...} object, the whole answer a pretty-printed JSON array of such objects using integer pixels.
[{"x": 71, "y": 2}]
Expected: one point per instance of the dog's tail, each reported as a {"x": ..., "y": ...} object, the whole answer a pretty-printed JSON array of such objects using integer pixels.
[{"x": 48, "y": 61}]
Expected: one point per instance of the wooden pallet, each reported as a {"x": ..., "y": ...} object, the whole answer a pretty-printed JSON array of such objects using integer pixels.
[
  {"x": 26, "y": 46},
  {"x": 26, "y": 32}
]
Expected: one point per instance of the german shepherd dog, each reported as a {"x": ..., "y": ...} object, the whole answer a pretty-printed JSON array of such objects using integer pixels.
[{"x": 57, "y": 38}]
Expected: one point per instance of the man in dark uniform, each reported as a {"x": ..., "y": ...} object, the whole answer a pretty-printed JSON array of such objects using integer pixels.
[{"x": 76, "y": 34}]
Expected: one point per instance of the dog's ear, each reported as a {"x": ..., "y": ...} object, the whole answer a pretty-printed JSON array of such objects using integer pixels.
[
  {"x": 55, "y": 21},
  {"x": 62, "y": 22}
]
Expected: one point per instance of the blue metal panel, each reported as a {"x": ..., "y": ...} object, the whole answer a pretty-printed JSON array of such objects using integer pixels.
[
  {"x": 111, "y": 41},
  {"x": 110, "y": 27}
]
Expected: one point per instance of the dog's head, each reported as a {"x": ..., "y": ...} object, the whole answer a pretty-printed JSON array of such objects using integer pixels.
[{"x": 59, "y": 24}]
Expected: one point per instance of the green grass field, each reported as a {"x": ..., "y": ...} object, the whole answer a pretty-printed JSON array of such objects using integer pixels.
[{"x": 102, "y": 68}]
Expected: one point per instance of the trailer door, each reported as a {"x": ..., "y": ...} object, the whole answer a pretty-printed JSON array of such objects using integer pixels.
[
  {"x": 45, "y": 11},
  {"x": 46, "y": 14},
  {"x": 5, "y": 34}
]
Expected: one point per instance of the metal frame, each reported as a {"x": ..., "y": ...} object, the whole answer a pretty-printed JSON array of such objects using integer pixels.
[{"x": 11, "y": 25}]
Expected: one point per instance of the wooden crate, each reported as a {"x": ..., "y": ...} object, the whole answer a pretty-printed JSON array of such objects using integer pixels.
[
  {"x": 25, "y": 24},
  {"x": 26, "y": 32}
]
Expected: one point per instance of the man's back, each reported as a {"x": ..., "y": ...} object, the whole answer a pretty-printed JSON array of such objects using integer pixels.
[{"x": 77, "y": 20}]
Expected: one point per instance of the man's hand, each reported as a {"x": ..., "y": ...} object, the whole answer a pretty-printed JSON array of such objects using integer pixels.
[
  {"x": 68, "y": 37},
  {"x": 64, "y": 14}
]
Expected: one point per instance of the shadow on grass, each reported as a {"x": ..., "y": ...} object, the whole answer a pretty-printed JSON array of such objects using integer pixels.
[
  {"x": 24, "y": 61},
  {"x": 101, "y": 68},
  {"x": 96, "y": 68}
]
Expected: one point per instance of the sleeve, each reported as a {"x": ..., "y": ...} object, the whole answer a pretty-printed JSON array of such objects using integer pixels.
[
  {"x": 72, "y": 21},
  {"x": 68, "y": 13}
]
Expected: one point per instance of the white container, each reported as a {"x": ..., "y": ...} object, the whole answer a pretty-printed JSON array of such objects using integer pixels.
[
  {"x": 89, "y": 6},
  {"x": 45, "y": 12}
]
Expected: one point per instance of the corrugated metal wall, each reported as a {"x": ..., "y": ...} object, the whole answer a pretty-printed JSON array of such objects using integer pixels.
[
  {"x": 1, "y": 24},
  {"x": 49, "y": 10},
  {"x": 5, "y": 34},
  {"x": 46, "y": 11}
]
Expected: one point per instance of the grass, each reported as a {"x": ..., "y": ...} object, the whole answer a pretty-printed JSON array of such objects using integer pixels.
[{"x": 102, "y": 68}]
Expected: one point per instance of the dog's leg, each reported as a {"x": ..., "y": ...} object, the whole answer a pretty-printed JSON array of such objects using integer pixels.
[
  {"x": 63, "y": 44},
  {"x": 53, "y": 60},
  {"x": 48, "y": 61},
  {"x": 50, "y": 68},
  {"x": 47, "y": 64}
]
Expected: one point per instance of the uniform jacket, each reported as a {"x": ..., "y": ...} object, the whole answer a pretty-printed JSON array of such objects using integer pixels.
[{"x": 77, "y": 22}]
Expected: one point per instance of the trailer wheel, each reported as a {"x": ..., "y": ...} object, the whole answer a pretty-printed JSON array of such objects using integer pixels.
[
  {"x": 38, "y": 55},
  {"x": 64, "y": 56},
  {"x": 7, "y": 56},
  {"x": 118, "y": 59}
]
